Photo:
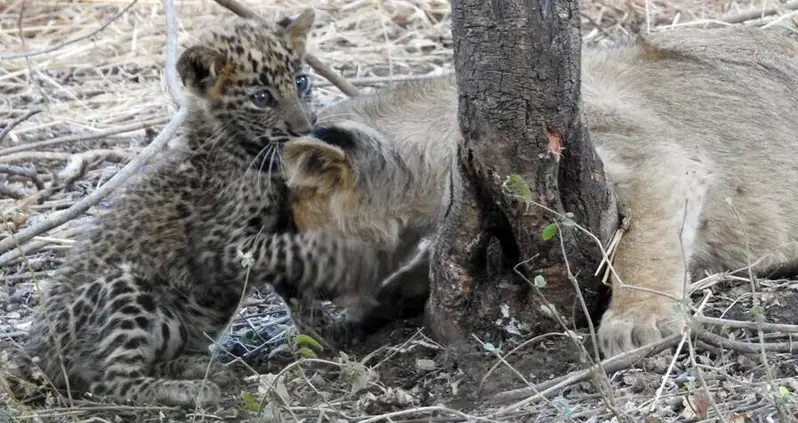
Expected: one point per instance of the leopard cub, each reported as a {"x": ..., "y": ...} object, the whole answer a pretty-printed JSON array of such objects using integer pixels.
[{"x": 162, "y": 272}]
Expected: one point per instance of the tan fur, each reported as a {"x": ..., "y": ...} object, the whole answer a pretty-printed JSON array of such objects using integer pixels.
[
  {"x": 697, "y": 130},
  {"x": 334, "y": 181}
]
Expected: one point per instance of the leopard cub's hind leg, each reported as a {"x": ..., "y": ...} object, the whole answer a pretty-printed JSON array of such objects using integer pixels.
[
  {"x": 194, "y": 366},
  {"x": 136, "y": 333}
]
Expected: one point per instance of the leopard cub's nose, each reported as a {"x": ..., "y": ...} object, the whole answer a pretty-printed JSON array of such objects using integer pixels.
[{"x": 299, "y": 127}]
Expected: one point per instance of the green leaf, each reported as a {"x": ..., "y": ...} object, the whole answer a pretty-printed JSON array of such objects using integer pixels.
[
  {"x": 519, "y": 187},
  {"x": 540, "y": 281},
  {"x": 783, "y": 392},
  {"x": 549, "y": 231},
  {"x": 250, "y": 402},
  {"x": 303, "y": 339},
  {"x": 306, "y": 352}
]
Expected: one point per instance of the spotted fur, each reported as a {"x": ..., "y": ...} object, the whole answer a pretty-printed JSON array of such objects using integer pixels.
[{"x": 133, "y": 312}]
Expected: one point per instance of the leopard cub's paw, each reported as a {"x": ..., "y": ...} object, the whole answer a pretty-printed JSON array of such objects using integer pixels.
[{"x": 624, "y": 328}]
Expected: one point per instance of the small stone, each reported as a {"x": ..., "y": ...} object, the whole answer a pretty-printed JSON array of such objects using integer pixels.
[{"x": 426, "y": 365}]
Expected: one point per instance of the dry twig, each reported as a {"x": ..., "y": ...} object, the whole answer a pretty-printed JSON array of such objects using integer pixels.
[
  {"x": 26, "y": 172},
  {"x": 17, "y": 121},
  {"x": 76, "y": 138},
  {"x": 758, "y": 13},
  {"x": 610, "y": 365}
]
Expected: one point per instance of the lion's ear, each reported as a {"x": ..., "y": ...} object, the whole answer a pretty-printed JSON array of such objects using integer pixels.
[
  {"x": 296, "y": 31},
  {"x": 199, "y": 68},
  {"x": 312, "y": 163}
]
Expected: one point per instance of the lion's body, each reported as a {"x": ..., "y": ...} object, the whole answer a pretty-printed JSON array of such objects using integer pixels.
[{"x": 696, "y": 129}]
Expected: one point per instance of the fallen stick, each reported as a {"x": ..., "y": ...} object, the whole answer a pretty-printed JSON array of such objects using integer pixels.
[{"x": 610, "y": 365}]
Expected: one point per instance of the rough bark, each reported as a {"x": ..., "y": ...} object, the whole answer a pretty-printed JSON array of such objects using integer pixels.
[{"x": 518, "y": 72}]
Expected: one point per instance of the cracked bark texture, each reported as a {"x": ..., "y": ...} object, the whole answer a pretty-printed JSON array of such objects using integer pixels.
[{"x": 518, "y": 73}]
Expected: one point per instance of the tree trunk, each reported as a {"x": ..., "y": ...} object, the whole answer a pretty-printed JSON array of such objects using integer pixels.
[{"x": 518, "y": 73}]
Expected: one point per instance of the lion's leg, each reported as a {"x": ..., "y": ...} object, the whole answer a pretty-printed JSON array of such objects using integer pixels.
[{"x": 653, "y": 255}]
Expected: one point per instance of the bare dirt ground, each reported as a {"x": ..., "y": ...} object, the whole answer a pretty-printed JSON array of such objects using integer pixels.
[{"x": 83, "y": 91}]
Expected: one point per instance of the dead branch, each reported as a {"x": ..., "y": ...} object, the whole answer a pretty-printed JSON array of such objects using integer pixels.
[
  {"x": 610, "y": 365},
  {"x": 37, "y": 243},
  {"x": 17, "y": 121},
  {"x": 757, "y": 13},
  {"x": 25, "y": 172},
  {"x": 75, "y": 138},
  {"x": 115, "y": 155},
  {"x": 8, "y": 191},
  {"x": 325, "y": 71},
  {"x": 170, "y": 66},
  {"x": 746, "y": 347},
  {"x": 776, "y": 327}
]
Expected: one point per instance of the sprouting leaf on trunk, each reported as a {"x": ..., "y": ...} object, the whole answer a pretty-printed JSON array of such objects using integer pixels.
[
  {"x": 518, "y": 186},
  {"x": 549, "y": 231}
]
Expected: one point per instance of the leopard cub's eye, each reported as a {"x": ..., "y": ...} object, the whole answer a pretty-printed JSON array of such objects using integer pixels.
[
  {"x": 262, "y": 98},
  {"x": 302, "y": 83}
]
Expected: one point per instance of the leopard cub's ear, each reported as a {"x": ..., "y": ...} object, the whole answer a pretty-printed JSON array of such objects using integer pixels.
[
  {"x": 199, "y": 68},
  {"x": 296, "y": 31}
]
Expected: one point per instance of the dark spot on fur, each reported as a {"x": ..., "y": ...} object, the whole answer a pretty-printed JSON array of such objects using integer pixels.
[
  {"x": 120, "y": 303},
  {"x": 146, "y": 302},
  {"x": 81, "y": 321},
  {"x": 183, "y": 334},
  {"x": 134, "y": 343},
  {"x": 142, "y": 322},
  {"x": 100, "y": 389},
  {"x": 124, "y": 387},
  {"x": 130, "y": 310},
  {"x": 78, "y": 308},
  {"x": 165, "y": 333},
  {"x": 183, "y": 211},
  {"x": 120, "y": 288},
  {"x": 93, "y": 292}
]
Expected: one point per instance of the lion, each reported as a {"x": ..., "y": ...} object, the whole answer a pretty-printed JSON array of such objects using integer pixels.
[{"x": 696, "y": 130}]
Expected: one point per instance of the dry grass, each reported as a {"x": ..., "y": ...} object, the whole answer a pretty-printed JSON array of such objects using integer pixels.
[{"x": 83, "y": 91}]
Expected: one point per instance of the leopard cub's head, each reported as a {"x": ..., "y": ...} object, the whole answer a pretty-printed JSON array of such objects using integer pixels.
[
  {"x": 346, "y": 175},
  {"x": 246, "y": 79}
]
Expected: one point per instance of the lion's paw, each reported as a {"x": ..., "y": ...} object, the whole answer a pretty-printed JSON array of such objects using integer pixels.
[{"x": 626, "y": 328}]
